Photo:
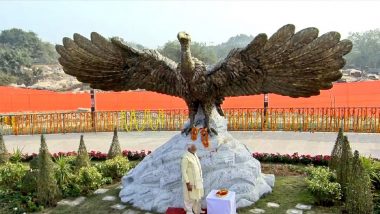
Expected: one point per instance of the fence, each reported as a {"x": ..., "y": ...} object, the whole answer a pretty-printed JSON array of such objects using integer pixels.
[{"x": 364, "y": 119}]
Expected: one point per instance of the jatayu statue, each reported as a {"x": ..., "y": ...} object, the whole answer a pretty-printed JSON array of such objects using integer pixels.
[{"x": 288, "y": 63}]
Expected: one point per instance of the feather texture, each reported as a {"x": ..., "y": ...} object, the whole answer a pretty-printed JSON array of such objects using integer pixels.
[
  {"x": 288, "y": 63},
  {"x": 113, "y": 65}
]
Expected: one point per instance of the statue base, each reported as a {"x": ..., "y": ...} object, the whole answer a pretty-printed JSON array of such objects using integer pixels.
[{"x": 156, "y": 184}]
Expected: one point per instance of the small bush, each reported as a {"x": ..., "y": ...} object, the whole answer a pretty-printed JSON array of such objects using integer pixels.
[
  {"x": 82, "y": 159},
  {"x": 115, "y": 168},
  {"x": 115, "y": 149},
  {"x": 33, "y": 164},
  {"x": 29, "y": 182},
  {"x": 343, "y": 168},
  {"x": 322, "y": 184},
  {"x": 17, "y": 202},
  {"x": 372, "y": 167},
  {"x": 17, "y": 156},
  {"x": 65, "y": 176},
  {"x": 89, "y": 179},
  {"x": 336, "y": 153},
  {"x": 11, "y": 175},
  {"x": 4, "y": 155},
  {"x": 359, "y": 197},
  {"x": 48, "y": 192}
]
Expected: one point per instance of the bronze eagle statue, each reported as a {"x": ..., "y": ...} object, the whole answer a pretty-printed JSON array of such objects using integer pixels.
[{"x": 289, "y": 63}]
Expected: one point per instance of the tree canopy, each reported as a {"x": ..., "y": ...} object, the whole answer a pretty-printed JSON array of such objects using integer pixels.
[
  {"x": 20, "y": 48},
  {"x": 366, "y": 49},
  {"x": 209, "y": 54}
]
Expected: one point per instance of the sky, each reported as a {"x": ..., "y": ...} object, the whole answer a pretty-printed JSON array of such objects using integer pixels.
[{"x": 152, "y": 23}]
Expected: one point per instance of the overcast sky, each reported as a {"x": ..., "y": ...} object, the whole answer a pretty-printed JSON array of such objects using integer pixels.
[{"x": 152, "y": 23}]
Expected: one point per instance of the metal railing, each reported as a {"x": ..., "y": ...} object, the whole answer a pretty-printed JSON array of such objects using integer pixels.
[{"x": 358, "y": 119}]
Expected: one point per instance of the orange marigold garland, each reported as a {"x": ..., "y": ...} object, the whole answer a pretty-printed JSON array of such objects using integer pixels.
[
  {"x": 204, "y": 137},
  {"x": 194, "y": 133}
]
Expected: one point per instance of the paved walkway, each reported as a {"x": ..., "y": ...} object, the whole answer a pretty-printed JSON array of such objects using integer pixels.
[{"x": 271, "y": 142}]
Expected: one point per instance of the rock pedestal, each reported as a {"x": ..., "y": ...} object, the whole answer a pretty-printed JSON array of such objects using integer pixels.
[{"x": 155, "y": 184}]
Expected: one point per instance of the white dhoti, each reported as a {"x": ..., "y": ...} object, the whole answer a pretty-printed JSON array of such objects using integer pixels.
[{"x": 192, "y": 174}]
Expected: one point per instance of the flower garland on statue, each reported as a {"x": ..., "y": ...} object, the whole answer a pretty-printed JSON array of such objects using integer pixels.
[{"x": 204, "y": 135}]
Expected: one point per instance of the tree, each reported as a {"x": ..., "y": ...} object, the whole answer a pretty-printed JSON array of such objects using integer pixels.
[
  {"x": 20, "y": 49},
  {"x": 337, "y": 151},
  {"x": 82, "y": 159},
  {"x": 238, "y": 41},
  {"x": 4, "y": 155},
  {"x": 115, "y": 149},
  {"x": 48, "y": 192},
  {"x": 201, "y": 51},
  {"x": 343, "y": 169},
  {"x": 366, "y": 49},
  {"x": 359, "y": 197},
  {"x": 37, "y": 50}
]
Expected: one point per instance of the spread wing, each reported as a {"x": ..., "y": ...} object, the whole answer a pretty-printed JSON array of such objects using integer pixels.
[
  {"x": 288, "y": 63},
  {"x": 113, "y": 65}
]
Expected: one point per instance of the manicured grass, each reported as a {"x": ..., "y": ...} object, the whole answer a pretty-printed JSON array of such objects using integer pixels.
[
  {"x": 93, "y": 204},
  {"x": 288, "y": 191}
]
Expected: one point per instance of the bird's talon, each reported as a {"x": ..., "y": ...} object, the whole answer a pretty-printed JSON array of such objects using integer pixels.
[
  {"x": 212, "y": 131},
  {"x": 186, "y": 131}
]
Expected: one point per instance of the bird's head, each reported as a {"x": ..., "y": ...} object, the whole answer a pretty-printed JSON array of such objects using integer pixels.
[{"x": 184, "y": 38}]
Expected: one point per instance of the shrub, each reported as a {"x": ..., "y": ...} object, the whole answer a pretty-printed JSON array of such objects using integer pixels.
[
  {"x": 16, "y": 156},
  {"x": 4, "y": 155},
  {"x": 47, "y": 189},
  {"x": 11, "y": 175},
  {"x": 336, "y": 153},
  {"x": 372, "y": 167},
  {"x": 82, "y": 159},
  {"x": 65, "y": 178},
  {"x": 321, "y": 182},
  {"x": 29, "y": 182},
  {"x": 89, "y": 179},
  {"x": 359, "y": 197},
  {"x": 17, "y": 202},
  {"x": 63, "y": 170},
  {"x": 115, "y": 149},
  {"x": 115, "y": 167},
  {"x": 343, "y": 169}
]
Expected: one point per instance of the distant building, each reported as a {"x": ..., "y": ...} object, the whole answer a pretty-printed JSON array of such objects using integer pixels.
[
  {"x": 373, "y": 76},
  {"x": 355, "y": 73}
]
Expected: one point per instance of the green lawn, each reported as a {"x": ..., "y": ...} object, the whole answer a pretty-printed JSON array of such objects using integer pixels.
[{"x": 288, "y": 191}]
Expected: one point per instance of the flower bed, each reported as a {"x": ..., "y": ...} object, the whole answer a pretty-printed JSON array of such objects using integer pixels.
[
  {"x": 94, "y": 155},
  {"x": 318, "y": 160}
]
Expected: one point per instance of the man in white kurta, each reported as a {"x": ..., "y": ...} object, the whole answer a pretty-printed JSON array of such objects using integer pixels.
[{"x": 192, "y": 180}]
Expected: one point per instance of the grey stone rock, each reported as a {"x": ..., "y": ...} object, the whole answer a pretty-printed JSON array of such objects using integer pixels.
[
  {"x": 303, "y": 207},
  {"x": 156, "y": 184},
  {"x": 72, "y": 203},
  {"x": 118, "y": 206},
  {"x": 109, "y": 198},
  {"x": 257, "y": 211},
  {"x": 294, "y": 211},
  {"x": 273, "y": 205},
  {"x": 100, "y": 191},
  {"x": 129, "y": 211},
  {"x": 269, "y": 178}
]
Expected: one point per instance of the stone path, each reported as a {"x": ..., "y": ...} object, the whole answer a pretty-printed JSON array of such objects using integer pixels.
[
  {"x": 100, "y": 191},
  {"x": 72, "y": 203},
  {"x": 299, "y": 209}
]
